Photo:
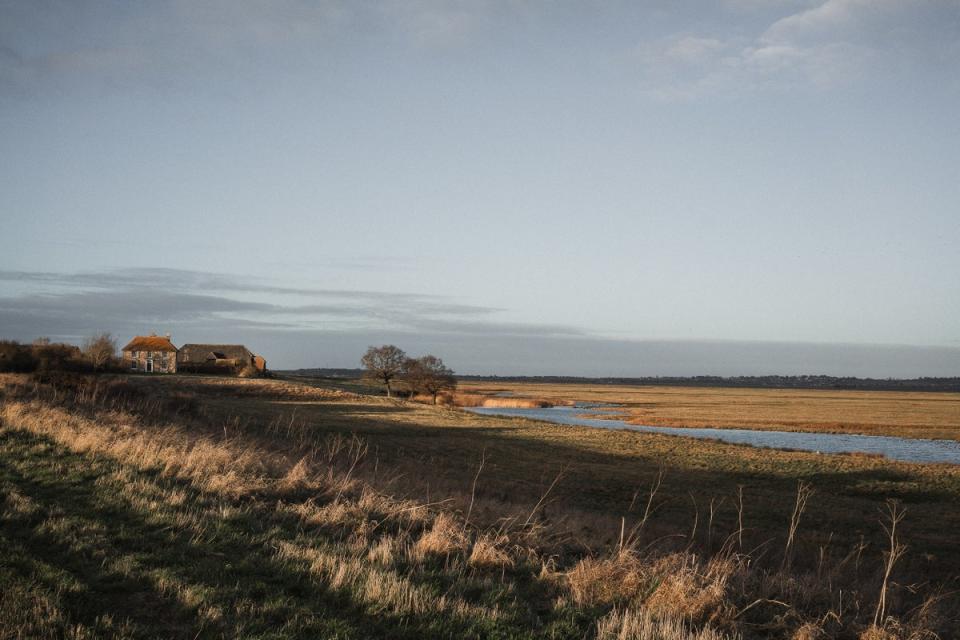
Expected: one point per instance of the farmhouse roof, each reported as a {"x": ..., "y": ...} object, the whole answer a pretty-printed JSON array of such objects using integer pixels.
[
  {"x": 204, "y": 352},
  {"x": 150, "y": 343}
]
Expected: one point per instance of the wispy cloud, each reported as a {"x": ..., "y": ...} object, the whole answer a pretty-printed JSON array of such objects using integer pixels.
[
  {"x": 822, "y": 46},
  {"x": 47, "y": 43},
  {"x": 185, "y": 279},
  {"x": 335, "y": 326},
  {"x": 797, "y": 42},
  {"x": 69, "y": 305}
]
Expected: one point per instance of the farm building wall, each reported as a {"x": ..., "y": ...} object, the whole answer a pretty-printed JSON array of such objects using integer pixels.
[{"x": 150, "y": 361}]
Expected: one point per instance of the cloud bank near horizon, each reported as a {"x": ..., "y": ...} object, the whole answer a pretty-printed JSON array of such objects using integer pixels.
[
  {"x": 302, "y": 327},
  {"x": 70, "y": 305}
]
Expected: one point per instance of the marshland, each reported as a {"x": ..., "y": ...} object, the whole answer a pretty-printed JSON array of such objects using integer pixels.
[
  {"x": 217, "y": 507},
  {"x": 901, "y": 414}
]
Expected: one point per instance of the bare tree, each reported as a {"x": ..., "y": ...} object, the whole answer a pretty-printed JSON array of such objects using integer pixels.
[
  {"x": 428, "y": 375},
  {"x": 100, "y": 349},
  {"x": 384, "y": 364}
]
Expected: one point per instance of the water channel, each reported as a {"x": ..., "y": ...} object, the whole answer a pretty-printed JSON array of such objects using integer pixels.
[{"x": 903, "y": 449}]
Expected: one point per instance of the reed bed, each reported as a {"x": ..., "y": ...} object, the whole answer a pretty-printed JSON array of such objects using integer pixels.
[{"x": 893, "y": 413}]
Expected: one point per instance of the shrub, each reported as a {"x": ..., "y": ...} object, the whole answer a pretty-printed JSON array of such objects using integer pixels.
[
  {"x": 55, "y": 358},
  {"x": 100, "y": 351},
  {"x": 16, "y": 357}
]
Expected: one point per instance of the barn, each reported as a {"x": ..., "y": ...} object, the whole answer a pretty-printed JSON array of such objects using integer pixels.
[{"x": 204, "y": 357}]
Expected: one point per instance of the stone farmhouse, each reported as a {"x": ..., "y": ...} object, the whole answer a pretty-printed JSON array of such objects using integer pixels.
[
  {"x": 157, "y": 354},
  {"x": 151, "y": 354}
]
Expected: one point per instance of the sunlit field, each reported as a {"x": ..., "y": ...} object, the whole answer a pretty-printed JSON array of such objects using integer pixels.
[
  {"x": 140, "y": 507},
  {"x": 904, "y": 414}
]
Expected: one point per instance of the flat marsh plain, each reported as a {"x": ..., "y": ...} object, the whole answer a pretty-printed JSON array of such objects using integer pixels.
[
  {"x": 140, "y": 507},
  {"x": 889, "y": 413}
]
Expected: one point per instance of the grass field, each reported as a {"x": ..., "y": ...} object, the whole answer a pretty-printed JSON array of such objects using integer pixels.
[
  {"x": 904, "y": 414},
  {"x": 190, "y": 507}
]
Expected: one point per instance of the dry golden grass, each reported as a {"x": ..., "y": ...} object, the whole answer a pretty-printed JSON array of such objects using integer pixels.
[
  {"x": 243, "y": 468},
  {"x": 876, "y": 633},
  {"x": 809, "y": 631},
  {"x": 642, "y": 625},
  {"x": 490, "y": 551},
  {"x": 367, "y": 498},
  {"x": 262, "y": 388},
  {"x": 905, "y": 414},
  {"x": 480, "y": 400},
  {"x": 674, "y": 586},
  {"x": 445, "y": 536}
]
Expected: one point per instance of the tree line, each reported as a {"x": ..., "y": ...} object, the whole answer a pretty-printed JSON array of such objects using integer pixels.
[
  {"x": 97, "y": 354},
  {"x": 389, "y": 364}
]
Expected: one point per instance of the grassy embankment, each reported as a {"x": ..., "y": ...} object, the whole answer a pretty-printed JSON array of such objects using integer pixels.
[
  {"x": 181, "y": 507},
  {"x": 894, "y": 413}
]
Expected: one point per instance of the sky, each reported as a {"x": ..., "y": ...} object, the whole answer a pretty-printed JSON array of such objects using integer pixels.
[{"x": 733, "y": 187}]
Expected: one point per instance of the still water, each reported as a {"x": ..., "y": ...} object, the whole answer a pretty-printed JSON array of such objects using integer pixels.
[{"x": 905, "y": 449}]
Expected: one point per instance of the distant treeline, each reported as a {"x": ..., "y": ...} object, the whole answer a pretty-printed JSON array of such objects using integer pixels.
[{"x": 753, "y": 382}]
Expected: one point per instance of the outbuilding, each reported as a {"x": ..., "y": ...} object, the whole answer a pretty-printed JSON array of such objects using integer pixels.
[{"x": 227, "y": 357}]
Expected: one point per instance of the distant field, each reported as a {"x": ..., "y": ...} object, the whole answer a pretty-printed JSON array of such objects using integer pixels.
[
  {"x": 142, "y": 507},
  {"x": 904, "y": 414}
]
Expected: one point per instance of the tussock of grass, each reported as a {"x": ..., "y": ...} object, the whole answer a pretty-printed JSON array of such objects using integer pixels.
[
  {"x": 809, "y": 631},
  {"x": 691, "y": 588},
  {"x": 676, "y": 585},
  {"x": 642, "y": 625},
  {"x": 606, "y": 581},
  {"x": 878, "y": 633},
  {"x": 444, "y": 537},
  {"x": 490, "y": 552}
]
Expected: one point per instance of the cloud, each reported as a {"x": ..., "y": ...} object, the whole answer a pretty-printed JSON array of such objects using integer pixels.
[
  {"x": 823, "y": 46},
  {"x": 46, "y": 44},
  {"x": 335, "y": 326},
  {"x": 184, "y": 279},
  {"x": 754, "y": 43},
  {"x": 70, "y": 305},
  {"x": 836, "y": 19}
]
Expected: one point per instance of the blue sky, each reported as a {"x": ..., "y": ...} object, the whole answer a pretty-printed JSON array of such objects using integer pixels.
[{"x": 739, "y": 186}]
